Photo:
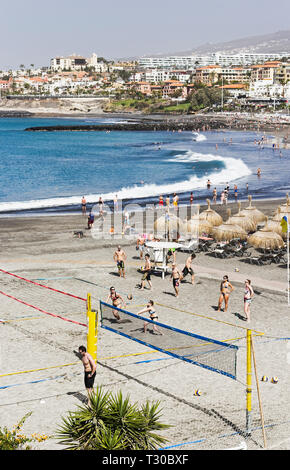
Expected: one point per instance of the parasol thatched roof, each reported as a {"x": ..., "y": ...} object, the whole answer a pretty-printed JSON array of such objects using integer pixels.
[
  {"x": 227, "y": 231},
  {"x": 196, "y": 225},
  {"x": 244, "y": 221},
  {"x": 168, "y": 223},
  {"x": 252, "y": 212},
  {"x": 274, "y": 224},
  {"x": 266, "y": 239},
  {"x": 211, "y": 216}
]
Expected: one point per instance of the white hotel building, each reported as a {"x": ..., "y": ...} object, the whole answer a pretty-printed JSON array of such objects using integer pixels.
[{"x": 191, "y": 62}]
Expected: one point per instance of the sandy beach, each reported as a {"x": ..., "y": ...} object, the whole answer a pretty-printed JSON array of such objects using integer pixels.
[{"x": 40, "y": 371}]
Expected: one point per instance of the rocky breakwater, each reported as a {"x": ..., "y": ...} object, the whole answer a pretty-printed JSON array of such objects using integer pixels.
[{"x": 143, "y": 125}]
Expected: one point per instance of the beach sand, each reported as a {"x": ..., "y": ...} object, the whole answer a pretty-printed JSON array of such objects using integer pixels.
[{"x": 42, "y": 373}]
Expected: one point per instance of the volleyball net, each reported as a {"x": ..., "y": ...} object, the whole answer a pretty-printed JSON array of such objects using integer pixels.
[
  {"x": 217, "y": 356},
  {"x": 34, "y": 296}
]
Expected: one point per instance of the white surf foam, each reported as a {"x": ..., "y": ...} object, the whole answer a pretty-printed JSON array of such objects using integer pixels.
[{"x": 199, "y": 137}]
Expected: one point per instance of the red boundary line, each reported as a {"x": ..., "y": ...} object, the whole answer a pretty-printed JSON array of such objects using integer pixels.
[
  {"x": 41, "y": 285},
  {"x": 43, "y": 311}
]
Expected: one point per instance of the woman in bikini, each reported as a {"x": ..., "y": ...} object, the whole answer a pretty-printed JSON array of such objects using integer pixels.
[
  {"x": 225, "y": 289},
  {"x": 152, "y": 316},
  {"x": 248, "y": 295},
  {"x": 117, "y": 301}
]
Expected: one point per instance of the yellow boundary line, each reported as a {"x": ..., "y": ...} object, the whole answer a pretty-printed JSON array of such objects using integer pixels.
[{"x": 208, "y": 318}]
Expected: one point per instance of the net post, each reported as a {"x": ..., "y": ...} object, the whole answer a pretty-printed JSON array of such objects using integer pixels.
[
  {"x": 91, "y": 336},
  {"x": 249, "y": 384}
]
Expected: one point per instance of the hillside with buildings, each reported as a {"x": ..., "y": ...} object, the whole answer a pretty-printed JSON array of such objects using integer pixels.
[{"x": 173, "y": 84}]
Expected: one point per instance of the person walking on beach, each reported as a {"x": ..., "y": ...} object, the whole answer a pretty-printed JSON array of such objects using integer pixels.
[
  {"x": 101, "y": 206},
  {"x": 175, "y": 275},
  {"x": 84, "y": 206},
  {"x": 146, "y": 273},
  {"x": 153, "y": 317},
  {"x": 214, "y": 196},
  {"x": 89, "y": 370},
  {"x": 161, "y": 202},
  {"x": 116, "y": 203},
  {"x": 120, "y": 257},
  {"x": 226, "y": 195},
  {"x": 175, "y": 200},
  {"x": 167, "y": 202},
  {"x": 225, "y": 289},
  {"x": 222, "y": 197},
  {"x": 236, "y": 192},
  {"x": 248, "y": 295},
  {"x": 117, "y": 301},
  {"x": 188, "y": 268},
  {"x": 191, "y": 199}
]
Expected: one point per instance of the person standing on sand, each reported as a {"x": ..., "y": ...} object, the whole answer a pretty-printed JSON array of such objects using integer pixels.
[
  {"x": 167, "y": 202},
  {"x": 116, "y": 203},
  {"x": 188, "y": 269},
  {"x": 222, "y": 197},
  {"x": 120, "y": 257},
  {"x": 191, "y": 198},
  {"x": 175, "y": 200},
  {"x": 236, "y": 192},
  {"x": 89, "y": 370},
  {"x": 225, "y": 289},
  {"x": 147, "y": 273},
  {"x": 117, "y": 301},
  {"x": 248, "y": 295},
  {"x": 176, "y": 275},
  {"x": 84, "y": 206},
  {"x": 214, "y": 196},
  {"x": 152, "y": 315},
  {"x": 161, "y": 202}
]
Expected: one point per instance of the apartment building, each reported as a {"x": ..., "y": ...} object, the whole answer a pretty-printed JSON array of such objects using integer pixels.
[
  {"x": 211, "y": 74},
  {"x": 266, "y": 71},
  {"x": 282, "y": 73},
  {"x": 75, "y": 62},
  {"x": 193, "y": 61}
]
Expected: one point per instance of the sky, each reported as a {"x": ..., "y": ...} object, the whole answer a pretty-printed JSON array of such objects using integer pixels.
[{"x": 34, "y": 31}]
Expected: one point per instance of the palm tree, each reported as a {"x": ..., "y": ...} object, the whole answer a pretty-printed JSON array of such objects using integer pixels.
[{"x": 111, "y": 422}]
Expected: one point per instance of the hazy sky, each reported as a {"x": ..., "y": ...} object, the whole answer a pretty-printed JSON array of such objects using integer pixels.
[{"x": 34, "y": 31}]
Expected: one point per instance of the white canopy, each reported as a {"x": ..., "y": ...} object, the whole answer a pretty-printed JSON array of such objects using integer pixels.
[{"x": 163, "y": 245}]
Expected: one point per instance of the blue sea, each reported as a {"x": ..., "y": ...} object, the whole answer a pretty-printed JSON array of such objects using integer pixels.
[{"x": 49, "y": 172}]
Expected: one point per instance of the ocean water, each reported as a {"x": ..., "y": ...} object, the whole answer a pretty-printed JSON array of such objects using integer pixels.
[{"x": 49, "y": 172}]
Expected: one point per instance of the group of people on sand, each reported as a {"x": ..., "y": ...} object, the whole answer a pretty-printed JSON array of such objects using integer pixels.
[{"x": 177, "y": 276}]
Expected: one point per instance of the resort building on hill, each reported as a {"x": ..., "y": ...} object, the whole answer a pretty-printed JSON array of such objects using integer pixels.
[
  {"x": 193, "y": 61},
  {"x": 75, "y": 62}
]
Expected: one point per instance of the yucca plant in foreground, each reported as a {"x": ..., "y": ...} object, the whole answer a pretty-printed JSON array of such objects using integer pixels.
[{"x": 111, "y": 422}]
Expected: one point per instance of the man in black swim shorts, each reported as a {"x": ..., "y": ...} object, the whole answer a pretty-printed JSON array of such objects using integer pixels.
[
  {"x": 89, "y": 370},
  {"x": 188, "y": 269}
]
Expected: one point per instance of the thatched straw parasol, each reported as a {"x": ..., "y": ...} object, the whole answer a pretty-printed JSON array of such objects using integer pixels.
[
  {"x": 274, "y": 224},
  {"x": 266, "y": 239},
  {"x": 227, "y": 231},
  {"x": 284, "y": 209},
  {"x": 196, "y": 225},
  {"x": 246, "y": 222},
  {"x": 169, "y": 224},
  {"x": 252, "y": 212},
  {"x": 211, "y": 216}
]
